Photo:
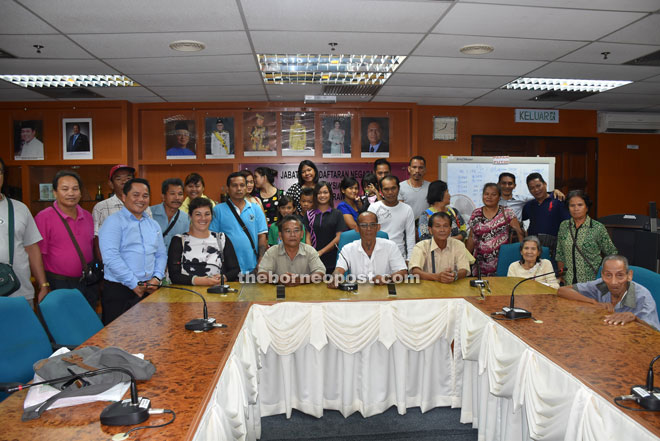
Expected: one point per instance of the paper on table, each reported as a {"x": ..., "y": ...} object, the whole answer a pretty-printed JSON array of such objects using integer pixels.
[{"x": 39, "y": 394}]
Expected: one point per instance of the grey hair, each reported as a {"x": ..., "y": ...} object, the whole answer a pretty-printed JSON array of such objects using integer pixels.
[{"x": 618, "y": 257}]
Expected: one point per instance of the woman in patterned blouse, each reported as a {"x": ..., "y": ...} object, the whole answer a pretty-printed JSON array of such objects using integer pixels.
[
  {"x": 581, "y": 242},
  {"x": 264, "y": 179},
  {"x": 438, "y": 199},
  {"x": 308, "y": 176},
  {"x": 489, "y": 229}
]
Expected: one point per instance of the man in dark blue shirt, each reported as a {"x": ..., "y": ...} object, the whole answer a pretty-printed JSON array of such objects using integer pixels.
[{"x": 545, "y": 213}]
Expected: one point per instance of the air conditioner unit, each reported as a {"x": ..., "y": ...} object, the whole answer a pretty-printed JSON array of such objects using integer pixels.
[{"x": 611, "y": 122}]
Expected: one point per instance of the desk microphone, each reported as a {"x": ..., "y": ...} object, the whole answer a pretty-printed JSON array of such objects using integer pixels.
[
  {"x": 480, "y": 283},
  {"x": 647, "y": 396},
  {"x": 203, "y": 324},
  {"x": 513, "y": 313},
  {"x": 121, "y": 413}
]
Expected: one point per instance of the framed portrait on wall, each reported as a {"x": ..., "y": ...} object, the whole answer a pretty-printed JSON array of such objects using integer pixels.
[
  {"x": 259, "y": 129},
  {"x": 444, "y": 128},
  {"x": 336, "y": 132},
  {"x": 297, "y": 133},
  {"x": 28, "y": 140},
  {"x": 77, "y": 141},
  {"x": 219, "y": 137},
  {"x": 375, "y": 137},
  {"x": 180, "y": 138}
]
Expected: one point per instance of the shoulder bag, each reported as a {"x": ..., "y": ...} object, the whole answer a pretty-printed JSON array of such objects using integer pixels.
[
  {"x": 92, "y": 272},
  {"x": 9, "y": 282}
]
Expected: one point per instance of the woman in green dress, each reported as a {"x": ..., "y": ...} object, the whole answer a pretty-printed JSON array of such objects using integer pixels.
[{"x": 581, "y": 242}]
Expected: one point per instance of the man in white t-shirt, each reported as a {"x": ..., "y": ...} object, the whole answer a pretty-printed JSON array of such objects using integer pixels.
[
  {"x": 373, "y": 257},
  {"x": 414, "y": 190},
  {"x": 395, "y": 217}
]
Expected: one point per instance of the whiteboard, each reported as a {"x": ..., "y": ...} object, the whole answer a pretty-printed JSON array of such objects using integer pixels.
[{"x": 466, "y": 175}]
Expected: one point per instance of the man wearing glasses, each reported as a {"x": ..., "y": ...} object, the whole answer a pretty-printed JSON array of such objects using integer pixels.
[
  {"x": 291, "y": 262},
  {"x": 376, "y": 259}
]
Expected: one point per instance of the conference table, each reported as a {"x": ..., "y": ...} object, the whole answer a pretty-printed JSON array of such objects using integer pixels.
[{"x": 430, "y": 345}]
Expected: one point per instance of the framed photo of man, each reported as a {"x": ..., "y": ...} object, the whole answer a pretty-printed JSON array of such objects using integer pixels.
[
  {"x": 297, "y": 133},
  {"x": 336, "y": 133},
  {"x": 375, "y": 137},
  {"x": 180, "y": 136},
  {"x": 219, "y": 137},
  {"x": 77, "y": 138},
  {"x": 259, "y": 130},
  {"x": 28, "y": 140}
]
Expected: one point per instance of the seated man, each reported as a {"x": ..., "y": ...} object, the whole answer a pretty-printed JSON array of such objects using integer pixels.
[
  {"x": 625, "y": 300},
  {"x": 293, "y": 262},
  {"x": 373, "y": 257},
  {"x": 440, "y": 258}
]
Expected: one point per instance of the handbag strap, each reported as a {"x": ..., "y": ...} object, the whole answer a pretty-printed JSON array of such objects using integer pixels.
[
  {"x": 10, "y": 213},
  {"x": 242, "y": 224},
  {"x": 575, "y": 244},
  {"x": 171, "y": 225},
  {"x": 73, "y": 239}
]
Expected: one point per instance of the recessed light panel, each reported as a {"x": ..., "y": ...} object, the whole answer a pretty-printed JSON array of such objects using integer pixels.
[
  {"x": 566, "y": 85},
  {"x": 70, "y": 80}
]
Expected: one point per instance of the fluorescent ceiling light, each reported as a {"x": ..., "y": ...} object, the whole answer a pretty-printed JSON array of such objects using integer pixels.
[
  {"x": 328, "y": 69},
  {"x": 568, "y": 85},
  {"x": 70, "y": 80}
]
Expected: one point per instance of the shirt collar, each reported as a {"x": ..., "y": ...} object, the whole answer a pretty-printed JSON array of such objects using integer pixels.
[
  {"x": 282, "y": 251},
  {"x": 56, "y": 206},
  {"x": 128, "y": 215},
  {"x": 317, "y": 211}
]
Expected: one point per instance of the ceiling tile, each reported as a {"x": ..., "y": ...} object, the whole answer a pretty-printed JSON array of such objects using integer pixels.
[
  {"x": 644, "y": 31},
  {"x": 610, "y": 5},
  {"x": 424, "y": 100},
  {"x": 512, "y": 95},
  {"x": 9, "y": 66},
  {"x": 532, "y": 22},
  {"x": 511, "y": 103},
  {"x": 420, "y": 91},
  {"x": 54, "y": 46},
  {"x": 157, "y": 44},
  {"x": 578, "y": 105},
  {"x": 20, "y": 94},
  {"x": 195, "y": 79},
  {"x": 622, "y": 98},
  {"x": 618, "y": 53},
  {"x": 342, "y": 15},
  {"x": 357, "y": 99},
  {"x": 285, "y": 42},
  {"x": 479, "y": 81},
  {"x": 290, "y": 89},
  {"x": 198, "y": 64},
  {"x": 121, "y": 92},
  {"x": 654, "y": 79},
  {"x": 15, "y": 19},
  {"x": 594, "y": 71},
  {"x": 468, "y": 66},
  {"x": 441, "y": 45},
  {"x": 118, "y": 16},
  {"x": 201, "y": 91}
]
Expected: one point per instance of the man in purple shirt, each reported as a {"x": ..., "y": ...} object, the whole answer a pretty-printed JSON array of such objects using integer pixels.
[
  {"x": 61, "y": 260},
  {"x": 624, "y": 300}
]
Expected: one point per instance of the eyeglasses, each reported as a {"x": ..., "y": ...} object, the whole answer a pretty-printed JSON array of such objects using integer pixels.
[
  {"x": 370, "y": 225},
  {"x": 296, "y": 231}
]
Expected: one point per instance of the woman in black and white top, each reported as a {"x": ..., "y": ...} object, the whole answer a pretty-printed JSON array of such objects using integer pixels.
[{"x": 195, "y": 257}]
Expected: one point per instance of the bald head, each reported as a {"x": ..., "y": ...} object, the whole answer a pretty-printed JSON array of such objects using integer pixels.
[{"x": 367, "y": 216}]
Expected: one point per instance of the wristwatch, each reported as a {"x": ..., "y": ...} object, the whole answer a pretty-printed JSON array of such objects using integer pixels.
[{"x": 45, "y": 284}]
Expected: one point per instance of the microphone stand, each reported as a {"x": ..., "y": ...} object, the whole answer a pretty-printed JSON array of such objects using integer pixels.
[
  {"x": 480, "y": 283},
  {"x": 513, "y": 313},
  {"x": 221, "y": 288},
  {"x": 200, "y": 324},
  {"x": 647, "y": 396},
  {"x": 121, "y": 413}
]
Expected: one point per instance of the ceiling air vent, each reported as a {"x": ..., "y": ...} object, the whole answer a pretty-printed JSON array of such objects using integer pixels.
[
  {"x": 349, "y": 90},
  {"x": 652, "y": 59},
  {"x": 560, "y": 95}
]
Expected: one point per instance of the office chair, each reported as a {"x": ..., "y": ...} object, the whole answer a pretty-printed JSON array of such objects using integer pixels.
[
  {"x": 510, "y": 253},
  {"x": 648, "y": 279},
  {"x": 23, "y": 341},
  {"x": 69, "y": 318}
]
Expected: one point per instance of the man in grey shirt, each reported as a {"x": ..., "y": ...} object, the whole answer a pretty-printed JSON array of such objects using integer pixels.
[
  {"x": 413, "y": 190},
  {"x": 624, "y": 300},
  {"x": 291, "y": 262}
]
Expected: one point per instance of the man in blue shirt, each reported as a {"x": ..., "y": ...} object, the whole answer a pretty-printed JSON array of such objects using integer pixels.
[
  {"x": 171, "y": 220},
  {"x": 249, "y": 251},
  {"x": 545, "y": 213},
  {"x": 133, "y": 251},
  {"x": 624, "y": 300}
]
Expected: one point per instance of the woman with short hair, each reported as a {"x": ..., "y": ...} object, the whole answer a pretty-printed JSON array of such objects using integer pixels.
[
  {"x": 531, "y": 264},
  {"x": 438, "y": 199}
]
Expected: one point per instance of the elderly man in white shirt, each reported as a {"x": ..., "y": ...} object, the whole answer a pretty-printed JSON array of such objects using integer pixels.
[{"x": 377, "y": 259}]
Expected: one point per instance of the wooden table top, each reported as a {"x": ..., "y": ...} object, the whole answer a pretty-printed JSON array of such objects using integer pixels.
[
  {"x": 188, "y": 365},
  {"x": 608, "y": 359}
]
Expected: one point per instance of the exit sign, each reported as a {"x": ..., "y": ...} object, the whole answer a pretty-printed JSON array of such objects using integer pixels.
[{"x": 537, "y": 116}]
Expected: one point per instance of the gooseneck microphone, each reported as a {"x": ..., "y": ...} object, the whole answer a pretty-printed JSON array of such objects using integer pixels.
[
  {"x": 122, "y": 413},
  {"x": 200, "y": 324},
  {"x": 480, "y": 283},
  {"x": 217, "y": 289},
  {"x": 513, "y": 313}
]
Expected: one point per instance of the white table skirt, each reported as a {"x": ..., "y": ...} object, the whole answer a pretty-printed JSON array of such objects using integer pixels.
[{"x": 367, "y": 356}]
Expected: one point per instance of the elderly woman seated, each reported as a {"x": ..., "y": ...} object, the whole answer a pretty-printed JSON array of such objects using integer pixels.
[
  {"x": 200, "y": 257},
  {"x": 531, "y": 264}
]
